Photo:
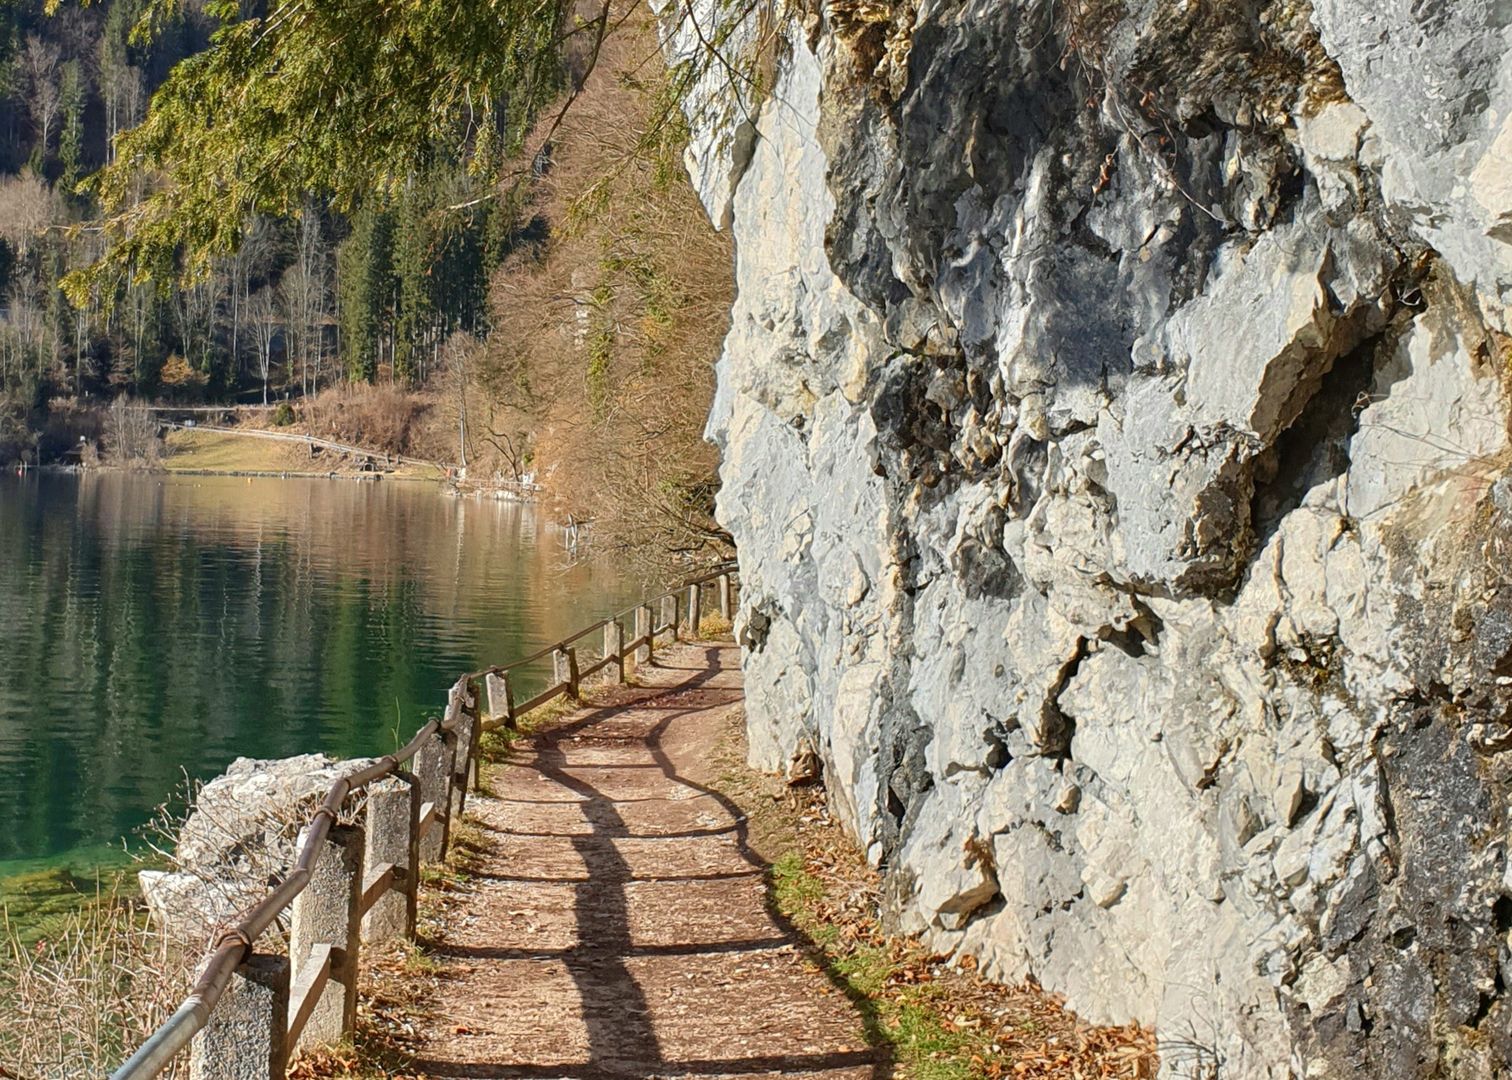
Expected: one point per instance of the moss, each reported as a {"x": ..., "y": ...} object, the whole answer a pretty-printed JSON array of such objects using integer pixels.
[
  {"x": 38, "y": 904},
  {"x": 909, "y": 1019}
]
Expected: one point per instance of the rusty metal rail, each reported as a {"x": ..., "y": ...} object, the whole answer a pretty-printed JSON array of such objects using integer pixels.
[{"x": 457, "y": 733}]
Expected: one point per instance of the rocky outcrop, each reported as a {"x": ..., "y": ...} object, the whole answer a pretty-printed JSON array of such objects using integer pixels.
[
  {"x": 240, "y": 839},
  {"x": 1115, "y": 434}
]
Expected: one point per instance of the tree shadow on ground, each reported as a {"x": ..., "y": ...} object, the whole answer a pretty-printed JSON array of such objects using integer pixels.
[{"x": 621, "y": 1033}]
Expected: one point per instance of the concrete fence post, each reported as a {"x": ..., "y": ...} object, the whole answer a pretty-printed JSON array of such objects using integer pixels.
[
  {"x": 564, "y": 661},
  {"x": 669, "y": 609},
  {"x": 500, "y": 697},
  {"x": 432, "y": 770},
  {"x": 451, "y": 751},
  {"x": 645, "y": 621},
  {"x": 695, "y": 610},
  {"x": 614, "y": 645},
  {"x": 474, "y": 777},
  {"x": 393, "y": 821},
  {"x": 465, "y": 737},
  {"x": 325, "y": 914},
  {"x": 726, "y": 597},
  {"x": 246, "y": 1037}
]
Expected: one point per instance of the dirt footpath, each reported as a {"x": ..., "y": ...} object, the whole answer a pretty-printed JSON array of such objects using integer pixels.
[{"x": 618, "y": 923}]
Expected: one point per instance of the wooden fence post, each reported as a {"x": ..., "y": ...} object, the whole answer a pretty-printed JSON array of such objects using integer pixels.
[
  {"x": 432, "y": 768},
  {"x": 393, "y": 822},
  {"x": 726, "y": 599},
  {"x": 564, "y": 662},
  {"x": 614, "y": 645},
  {"x": 645, "y": 622},
  {"x": 246, "y": 1037},
  {"x": 324, "y": 936},
  {"x": 695, "y": 611}
]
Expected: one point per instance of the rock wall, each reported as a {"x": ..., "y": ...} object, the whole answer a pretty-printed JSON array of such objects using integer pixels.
[{"x": 1115, "y": 434}]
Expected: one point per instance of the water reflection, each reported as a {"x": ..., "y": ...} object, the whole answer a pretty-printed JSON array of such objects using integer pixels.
[{"x": 151, "y": 625}]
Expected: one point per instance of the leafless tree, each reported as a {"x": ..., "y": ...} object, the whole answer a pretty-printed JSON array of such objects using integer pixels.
[
  {"x": 27, "y": 207},
  {"x": 130, "y": 433},
  {"x": 194, "y": 309},
  {"x": 252, "y": 260},
  {"x": 123, "y": 92},
  {"x": 39, "y": 62},
  {"x": 265, "y": 316},
  {"x": 305, "y": 295},
  {"x": 457, "y": 357}
]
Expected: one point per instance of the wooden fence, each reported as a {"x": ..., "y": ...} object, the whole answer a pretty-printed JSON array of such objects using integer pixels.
[{"x": 355, "y": 885}]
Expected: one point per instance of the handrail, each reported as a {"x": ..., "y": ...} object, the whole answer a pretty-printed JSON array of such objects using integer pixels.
[
  {"x": 723, "y": 570},
  {"x": 235, "y": 946}
]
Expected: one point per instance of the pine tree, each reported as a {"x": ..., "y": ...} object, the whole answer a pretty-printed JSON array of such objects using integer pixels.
[
  {"x": 413, "y": 267},
  {"x": 367, "y": 289},
  {"x": 75, "y": 91}
]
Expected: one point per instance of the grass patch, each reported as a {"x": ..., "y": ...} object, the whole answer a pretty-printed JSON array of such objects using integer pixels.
[
  {"x": 937, "y": 1018},
  {"x": 905, "y": 1010},
  {"x": 218, "y": 452}
]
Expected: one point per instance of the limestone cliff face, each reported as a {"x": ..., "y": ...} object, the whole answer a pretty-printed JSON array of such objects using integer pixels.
[{"x": 1115, "y": 433}]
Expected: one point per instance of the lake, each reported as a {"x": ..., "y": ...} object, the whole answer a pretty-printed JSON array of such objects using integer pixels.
[{"x": 156, "y": 627}]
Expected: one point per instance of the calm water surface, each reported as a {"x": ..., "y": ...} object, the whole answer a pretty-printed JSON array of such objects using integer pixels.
[{"x": 154, "y": 626}]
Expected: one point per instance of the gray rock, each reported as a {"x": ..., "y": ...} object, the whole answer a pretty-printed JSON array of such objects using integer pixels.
[
  {"x": 238, "y": 841},
  {"x": 1120, "y": 410}
]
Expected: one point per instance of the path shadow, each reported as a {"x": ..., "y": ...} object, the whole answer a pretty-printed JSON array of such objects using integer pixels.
[{"x": 622, "y": 1039}]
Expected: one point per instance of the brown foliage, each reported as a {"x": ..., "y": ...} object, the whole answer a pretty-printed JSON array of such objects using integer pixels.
[
  {"x": 383, "y": 418},
  {"x": 606, "y": 333}
]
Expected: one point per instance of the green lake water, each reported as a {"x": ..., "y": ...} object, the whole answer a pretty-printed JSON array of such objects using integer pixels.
[{"x": 156, "y": 627}]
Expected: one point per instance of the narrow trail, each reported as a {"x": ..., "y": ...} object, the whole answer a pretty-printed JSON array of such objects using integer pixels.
[{"x": 618, "y": 923}]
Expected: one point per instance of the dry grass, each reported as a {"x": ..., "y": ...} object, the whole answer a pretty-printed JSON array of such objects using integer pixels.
[
  {"x": 714, "y": 626},
  {"x": 77, "y": 1002}
]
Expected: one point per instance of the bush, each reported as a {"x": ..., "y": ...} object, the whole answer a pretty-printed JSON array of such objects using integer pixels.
[
  {"x": 130, "y": 434},
  {"x": 381, "y": 418},
  {"x": 283, "y": 416}
]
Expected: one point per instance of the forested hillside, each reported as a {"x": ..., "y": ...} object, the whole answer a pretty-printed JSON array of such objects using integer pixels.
[{"x": 310, "y": 298}]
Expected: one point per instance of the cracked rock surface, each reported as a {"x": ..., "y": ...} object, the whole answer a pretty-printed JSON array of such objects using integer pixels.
[{"x": 1115, "y": 436}]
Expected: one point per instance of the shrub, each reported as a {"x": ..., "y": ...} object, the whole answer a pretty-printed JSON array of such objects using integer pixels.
[
  {"x": 605, "y": 335},
  {"x": 130, "y": 434},
  {"x": 382, "y": 418},
  {"x": 283, "y": 416}
]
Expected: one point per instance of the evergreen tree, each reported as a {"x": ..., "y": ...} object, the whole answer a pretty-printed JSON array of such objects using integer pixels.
[
  {"x": 413, "y": 268},
  {"x": 371, "y": 87},
  {"x": 365, "y": 265},
  {"x": 75, "y": 92}
]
